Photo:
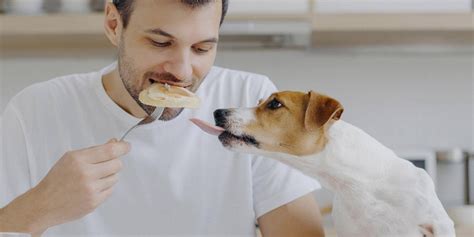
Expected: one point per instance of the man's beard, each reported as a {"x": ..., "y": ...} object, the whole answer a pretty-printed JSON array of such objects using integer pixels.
[{"x": 128, "y": 75}]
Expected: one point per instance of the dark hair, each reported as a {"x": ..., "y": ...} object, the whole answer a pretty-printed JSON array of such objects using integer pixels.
[{"x": 125, "y": 8}]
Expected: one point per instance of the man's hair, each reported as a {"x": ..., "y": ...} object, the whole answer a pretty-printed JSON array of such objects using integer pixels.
[{"x": 125, "y": 8}]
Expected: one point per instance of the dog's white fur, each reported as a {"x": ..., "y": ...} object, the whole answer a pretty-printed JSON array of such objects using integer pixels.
[{"x": 376, "y": 193}]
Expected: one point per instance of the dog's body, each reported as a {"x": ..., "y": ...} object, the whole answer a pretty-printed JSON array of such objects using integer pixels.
[{"x": 376, "y": 193}]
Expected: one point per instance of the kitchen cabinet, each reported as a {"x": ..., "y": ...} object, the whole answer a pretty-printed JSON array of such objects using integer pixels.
[{"x": 328, "y": 23}]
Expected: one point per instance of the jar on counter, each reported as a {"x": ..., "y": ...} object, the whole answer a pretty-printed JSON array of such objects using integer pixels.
[{"x": 452, "y": 186}]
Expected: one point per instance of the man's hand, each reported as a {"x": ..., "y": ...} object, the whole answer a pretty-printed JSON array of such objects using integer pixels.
[
  {"x": 76, "y": 185},
  {"x": 300, "y": 217}
]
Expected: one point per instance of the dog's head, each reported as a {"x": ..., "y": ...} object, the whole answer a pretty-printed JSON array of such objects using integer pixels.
[{"x": 287, "y": 122}]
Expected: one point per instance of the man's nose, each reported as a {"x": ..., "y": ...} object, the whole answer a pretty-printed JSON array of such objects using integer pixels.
[{"x": 180, "y": 66}]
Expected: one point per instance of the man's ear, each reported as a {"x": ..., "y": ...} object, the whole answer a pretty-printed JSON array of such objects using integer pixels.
[
  {"x": 320, "y": 110},
  {"x": 112, "y": 23}
]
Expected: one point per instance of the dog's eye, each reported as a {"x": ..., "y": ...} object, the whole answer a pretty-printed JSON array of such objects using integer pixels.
[{"x": 274, "y": 104}]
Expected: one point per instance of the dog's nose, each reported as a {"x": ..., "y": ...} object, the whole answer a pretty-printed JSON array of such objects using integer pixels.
[
  {"x": 220, "y": 116},
  {"x": 221, "y": 113}
]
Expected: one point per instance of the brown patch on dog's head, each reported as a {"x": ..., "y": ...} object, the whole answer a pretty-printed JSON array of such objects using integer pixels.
[{"x": 293, "y": 122}]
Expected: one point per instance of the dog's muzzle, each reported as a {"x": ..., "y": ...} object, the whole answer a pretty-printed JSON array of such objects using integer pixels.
[{"x": 221, "y": 117}]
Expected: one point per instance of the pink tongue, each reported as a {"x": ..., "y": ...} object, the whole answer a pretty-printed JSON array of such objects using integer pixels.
[{"x": 206, "y": 127}]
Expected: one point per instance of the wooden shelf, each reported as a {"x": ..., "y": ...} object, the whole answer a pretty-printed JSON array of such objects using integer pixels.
[
  {"x": 394, "y": 22},
  {"x": 336, "y": 30},
  {"x": 53, "y": 24},
  {"x": 91, "y": 24},
  {"x": 84, "y": 30}
]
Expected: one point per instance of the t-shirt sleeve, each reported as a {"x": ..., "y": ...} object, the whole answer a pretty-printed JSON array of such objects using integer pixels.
[
  {"x": 276, "y": 184},
  {"x": 14, "y": 165}
]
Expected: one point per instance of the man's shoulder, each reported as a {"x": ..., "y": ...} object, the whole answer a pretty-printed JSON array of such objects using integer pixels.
[
  {"x": 72, "y": 81},
  {"x": 59, "y": 87}
]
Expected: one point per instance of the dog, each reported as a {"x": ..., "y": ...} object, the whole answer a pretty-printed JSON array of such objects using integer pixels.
[{"x": 376, "y": 193}]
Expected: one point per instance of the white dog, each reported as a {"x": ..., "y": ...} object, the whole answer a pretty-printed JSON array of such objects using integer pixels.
[{"x": 376, "y": 193}]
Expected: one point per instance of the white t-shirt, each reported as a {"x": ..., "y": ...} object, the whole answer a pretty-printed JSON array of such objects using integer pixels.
[{"x": 176, "y": 180}]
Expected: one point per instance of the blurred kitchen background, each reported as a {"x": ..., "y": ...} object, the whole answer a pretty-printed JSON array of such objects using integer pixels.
[{"x": 403, "y": 69}]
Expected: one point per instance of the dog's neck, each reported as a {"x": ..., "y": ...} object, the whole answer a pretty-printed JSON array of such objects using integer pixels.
[{"x": 351, "y": 157}]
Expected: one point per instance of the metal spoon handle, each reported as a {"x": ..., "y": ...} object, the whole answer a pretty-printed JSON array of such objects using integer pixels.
[
  {"x": 150, "y": 118},
  {"x": 130, "y": 129}
]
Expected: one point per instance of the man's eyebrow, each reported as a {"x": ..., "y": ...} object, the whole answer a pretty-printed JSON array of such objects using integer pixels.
[
  {"x": 211, "y": 40},
  {"x": 159, "y": 31}
]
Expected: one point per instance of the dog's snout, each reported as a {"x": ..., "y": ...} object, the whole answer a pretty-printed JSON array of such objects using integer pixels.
[{"x": 220, "y": 116}]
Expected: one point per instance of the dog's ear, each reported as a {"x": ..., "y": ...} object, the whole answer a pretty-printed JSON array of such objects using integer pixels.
[{"x": 320, "y": 110}]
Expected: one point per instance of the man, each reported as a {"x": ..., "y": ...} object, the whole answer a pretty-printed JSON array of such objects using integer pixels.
[{"x": 174, "y": 179}]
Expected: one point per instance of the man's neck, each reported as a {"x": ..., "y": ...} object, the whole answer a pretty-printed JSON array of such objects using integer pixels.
[{"x": 115, "y": 89}]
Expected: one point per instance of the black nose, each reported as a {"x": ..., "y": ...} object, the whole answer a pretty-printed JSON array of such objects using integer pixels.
[
  {"x": 221, "y": 113},
  {"x": 220, "y": 116}
]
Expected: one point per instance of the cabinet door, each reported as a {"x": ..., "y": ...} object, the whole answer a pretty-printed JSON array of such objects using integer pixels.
[
  {"x": 393, "y": 6},
  {"x": 268, "y": 6}
]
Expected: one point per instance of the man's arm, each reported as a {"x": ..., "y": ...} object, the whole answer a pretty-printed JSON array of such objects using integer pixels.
[
  {"x": 77, "y": 184},
  {"x": 300, "y": 217},
  {"x": 21, "y": 215}
]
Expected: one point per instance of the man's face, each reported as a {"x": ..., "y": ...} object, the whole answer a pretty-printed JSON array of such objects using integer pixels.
[{"x": 169, "y": 42}]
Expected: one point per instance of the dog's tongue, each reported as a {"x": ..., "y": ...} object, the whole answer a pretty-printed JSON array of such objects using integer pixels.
[{"x": 206, "y": 127}]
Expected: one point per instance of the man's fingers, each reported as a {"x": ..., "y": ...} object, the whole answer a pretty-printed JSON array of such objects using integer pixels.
[
  {"x": 107, "y": 182},
  {"x": 107, "y": 168},
  {"x": 105, "y": 152},
  {"x": 105, "y": 194}
]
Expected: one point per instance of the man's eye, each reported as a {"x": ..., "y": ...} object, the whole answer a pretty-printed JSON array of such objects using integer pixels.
[
  {"x": 201, "y": 50},
  {"x": 274, "y": 104},
  {"x": 160, "y": 44}
]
